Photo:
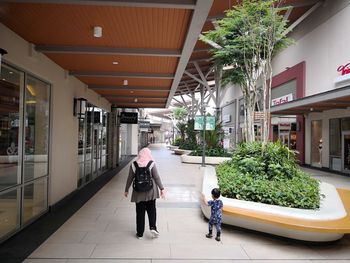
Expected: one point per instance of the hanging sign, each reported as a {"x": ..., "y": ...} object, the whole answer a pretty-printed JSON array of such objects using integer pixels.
[{"x": 209, "y": 123}]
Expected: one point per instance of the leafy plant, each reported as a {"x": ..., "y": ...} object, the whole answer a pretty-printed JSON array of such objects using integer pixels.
[
  {"x": 214, "y": 152},
  {"x": 268, "y": 175},
  {"x": 178, "y": 141},
  {"x": 188, "y": 145}
]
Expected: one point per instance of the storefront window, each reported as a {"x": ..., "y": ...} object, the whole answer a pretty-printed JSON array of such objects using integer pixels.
[
  {"x": 34, "y": 199},
  {"x": 11, "y": 81},
  {"x": 36, "y": 98},
  {"x": 316, "y": 143},
  {"x": 24, "y": 140}
]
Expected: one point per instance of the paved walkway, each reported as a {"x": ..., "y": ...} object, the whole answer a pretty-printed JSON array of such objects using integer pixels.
[{"x": 103, "y": 230}]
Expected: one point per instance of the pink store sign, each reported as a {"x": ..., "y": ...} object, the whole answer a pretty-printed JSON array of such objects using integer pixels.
[
  {"x": 344, "y": 69},
  {"x": 282, "y": 100}
]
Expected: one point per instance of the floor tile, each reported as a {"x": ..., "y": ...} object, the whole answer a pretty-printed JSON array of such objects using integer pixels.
[{"x": 63, "y": 251}]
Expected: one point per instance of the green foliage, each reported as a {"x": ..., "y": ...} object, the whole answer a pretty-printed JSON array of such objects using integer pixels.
[
  {"x": 268, "y": 175},
  {"x": 214, "y": 152},
  {"x": 214, "y": 137},
  {"x": 177, "y": 142},
  {"x": 188, "y": 145},
  {"x": 190, "y": 132},
  {"x": 180, "y": 114},
  {"x": 181, "y": 127},
  {"x": 251, "y": 32}
]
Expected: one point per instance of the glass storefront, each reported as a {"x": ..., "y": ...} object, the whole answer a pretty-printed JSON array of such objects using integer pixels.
[
  {"x": 316, "y": 143},
  {"x": 339, "y": 144},
  {"x": 24, "y": 148},
  {"x": 92, "y": 144}
]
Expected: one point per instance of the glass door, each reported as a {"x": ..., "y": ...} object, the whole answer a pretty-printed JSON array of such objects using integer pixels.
[
  {"x": 346, "y": 151},
  {"x": 284, "y": 137},
  {"x": 97, "y": 147},
  {"x": 316, "y": 143}
]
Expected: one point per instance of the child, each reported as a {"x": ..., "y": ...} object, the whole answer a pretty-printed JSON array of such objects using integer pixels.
[{"x": 216, "y": 214}]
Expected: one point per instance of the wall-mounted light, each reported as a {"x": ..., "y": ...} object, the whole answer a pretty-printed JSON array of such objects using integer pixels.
[
  {"x": 97, "y": 31},
  {"x": 79, "y": 107},
  {"x": 2, "y": 52},
  {"x": 125, "y": 82}
]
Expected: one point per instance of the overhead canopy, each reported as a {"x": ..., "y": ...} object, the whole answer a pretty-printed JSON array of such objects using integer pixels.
[
  {"x": 148, "y": 45},
  {"x": 334, "y": 99}
]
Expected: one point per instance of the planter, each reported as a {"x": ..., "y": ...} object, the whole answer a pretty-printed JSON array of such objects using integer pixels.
[
  {"x": 172, "y": 147},
  {"x": 328, "y": 223},
  {"x": 181, "y": 151},
  {"x": 185, "y": 158}
]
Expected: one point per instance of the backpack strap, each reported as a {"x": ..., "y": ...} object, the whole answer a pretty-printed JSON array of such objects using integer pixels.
[
  {"x": 134, "y": 166},
  {"x": 149, "y": 164}
]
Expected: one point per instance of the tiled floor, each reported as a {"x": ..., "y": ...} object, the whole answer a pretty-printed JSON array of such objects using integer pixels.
[{"x": 103, "y": 230}]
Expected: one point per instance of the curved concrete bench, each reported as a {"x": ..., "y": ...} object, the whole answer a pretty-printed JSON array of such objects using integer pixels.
[
  {"x": 186, "y": 158},
  {"x": 181, "y": 151},
  {"x": 330, "y": 222},
  {"x": 172, "y": 147}
]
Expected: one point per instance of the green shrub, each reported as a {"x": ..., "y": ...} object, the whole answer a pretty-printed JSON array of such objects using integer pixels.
[
  {"x": 268, "y": 175},
  {"x": 214, "y": 152},
  {"x": 177, "y": 141},
  {"x": 188, "y": 145}
]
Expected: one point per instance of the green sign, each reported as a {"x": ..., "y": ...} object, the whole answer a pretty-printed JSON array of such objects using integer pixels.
[{"x": 199, "y": 123}]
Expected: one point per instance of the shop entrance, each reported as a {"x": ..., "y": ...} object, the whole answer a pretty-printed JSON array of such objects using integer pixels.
[
  {"x": 346, "y": 151},
  {"x": 284, "y": 137},
  {"x": 97, "y": 144}
]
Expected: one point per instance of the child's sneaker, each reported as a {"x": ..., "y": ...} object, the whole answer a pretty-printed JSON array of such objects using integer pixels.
[
  {"x": 154, "y": 233},
  {"x": 209, "y": 235},
  {"x": 217, "y": 238}
]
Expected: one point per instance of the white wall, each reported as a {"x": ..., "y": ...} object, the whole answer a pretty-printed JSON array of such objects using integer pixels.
[
  {"x": 64, "y": 126},
  {"x": 322, "y": 41}
]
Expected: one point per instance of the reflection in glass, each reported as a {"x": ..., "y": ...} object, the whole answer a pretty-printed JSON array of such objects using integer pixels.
[
  {"x": 9, "y": 207},
  {"x": 35, "y": 199},
  {"x": 81, "y": 156},
  {"x": 316, "y": 143},
  {"x": 10, "y": 82},
  {"x": 37, "y": 95}
]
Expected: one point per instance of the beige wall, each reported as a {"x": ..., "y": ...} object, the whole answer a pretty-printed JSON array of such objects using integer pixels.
[{"x": 64, "y": 126}]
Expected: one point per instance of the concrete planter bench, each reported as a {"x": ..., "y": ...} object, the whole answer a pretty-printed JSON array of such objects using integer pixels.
[
  {"x": 328, "y": 223},
  {"x": 172, "y": 147},
  {"x": 181, "y": 151},
  {"x": 186, "y": 158}
]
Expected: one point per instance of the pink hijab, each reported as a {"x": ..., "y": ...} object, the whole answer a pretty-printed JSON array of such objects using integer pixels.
[{"x": 144, "y": 157}]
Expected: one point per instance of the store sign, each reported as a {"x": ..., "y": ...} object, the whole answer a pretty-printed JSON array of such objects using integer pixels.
[
  {"x": 344, "y": 71},
  {"x": 282, "y": 100},
  {"x": 128, "y": 117},
  {"x": 143, "y": 124}
]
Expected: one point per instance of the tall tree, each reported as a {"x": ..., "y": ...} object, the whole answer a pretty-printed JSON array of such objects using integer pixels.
[{"x": 249, "y": 36}]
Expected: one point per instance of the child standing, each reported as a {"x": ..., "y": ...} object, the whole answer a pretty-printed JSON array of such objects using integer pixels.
[{"x": 216, "y": 214}]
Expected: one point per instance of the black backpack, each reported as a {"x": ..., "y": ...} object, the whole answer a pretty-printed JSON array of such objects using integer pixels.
[{"x": 143, "y": 178}]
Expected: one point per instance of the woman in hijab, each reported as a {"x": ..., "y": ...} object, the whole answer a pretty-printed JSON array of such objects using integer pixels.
[{"x": 145, "y": 201}]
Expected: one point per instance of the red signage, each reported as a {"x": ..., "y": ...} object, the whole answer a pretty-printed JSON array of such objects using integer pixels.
[{"x": 344, "y": 69}]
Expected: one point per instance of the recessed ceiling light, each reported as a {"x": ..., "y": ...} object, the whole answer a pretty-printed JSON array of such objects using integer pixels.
[
  {"x": 97, "y": 31},
  {"x": 3, "y": 79},
  {"x": 11, "y": 72},
  {"x": 135, "y": 99},
  {"x": 125, "y": 82},
  {"x": 131, "y": 91},
  {"x": 115, "y": 62}
]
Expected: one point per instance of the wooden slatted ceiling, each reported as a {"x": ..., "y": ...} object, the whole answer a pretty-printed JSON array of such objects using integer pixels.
[
  {"x": 137, "y": 94},
  {"x": 58, "y": 24},
  {"x": 132, "y": 81},
  {"x": 145, "y": 64}
]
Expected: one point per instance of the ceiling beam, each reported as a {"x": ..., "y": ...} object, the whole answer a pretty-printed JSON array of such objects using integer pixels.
[
  {"x": 303, "y": 17},
  {"x": 156, "y": 52},
  {"x": 199, "y": 16},
  {"x": 133, "y": 96},
  {"x": 177, "y": 4},
  {"x": 78, "y": 73},
  {"x": 134, "y": 88}
]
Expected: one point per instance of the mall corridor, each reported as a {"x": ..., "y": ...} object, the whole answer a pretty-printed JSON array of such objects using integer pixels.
[{"x": 103, "y": 230}]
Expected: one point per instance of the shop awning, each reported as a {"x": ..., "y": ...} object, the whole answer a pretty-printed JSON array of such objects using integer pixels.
[{"x": 333, "y": 99}]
